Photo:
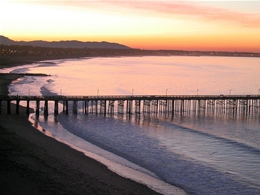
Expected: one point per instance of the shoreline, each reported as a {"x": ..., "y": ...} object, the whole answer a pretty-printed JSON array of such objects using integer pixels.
[
  {"x": 145, "y": 179},
  {"x": 33, "y": 163},
  {"x": 28, "y": 154}
]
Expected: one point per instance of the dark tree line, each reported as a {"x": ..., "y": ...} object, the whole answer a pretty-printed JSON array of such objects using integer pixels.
[{"x": 15, "y": 54}]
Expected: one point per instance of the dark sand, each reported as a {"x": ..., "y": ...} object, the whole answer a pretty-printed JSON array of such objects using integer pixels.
[{"x": 32, "y": 163}]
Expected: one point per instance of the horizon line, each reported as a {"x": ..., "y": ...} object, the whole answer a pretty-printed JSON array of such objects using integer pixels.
[{"x": 160, "y": 49}]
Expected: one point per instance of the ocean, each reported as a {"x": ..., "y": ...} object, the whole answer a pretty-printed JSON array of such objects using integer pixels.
[{"x": 202, "y": 154}]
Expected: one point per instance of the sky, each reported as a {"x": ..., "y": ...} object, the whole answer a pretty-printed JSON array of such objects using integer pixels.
[{"x": 144, "y": 24}]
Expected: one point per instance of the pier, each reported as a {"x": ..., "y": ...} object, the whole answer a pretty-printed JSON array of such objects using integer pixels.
[{"x": 246, "y": 105}]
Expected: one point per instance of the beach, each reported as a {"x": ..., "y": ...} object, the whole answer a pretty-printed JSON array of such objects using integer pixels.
[{"x": 33, "y": 163}]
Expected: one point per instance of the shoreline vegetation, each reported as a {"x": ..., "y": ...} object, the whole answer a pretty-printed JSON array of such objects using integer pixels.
[
  {"x": 25, "y": 74},
  {"x": 12, "y": 55},
  {"x": 33, "y": 163}
]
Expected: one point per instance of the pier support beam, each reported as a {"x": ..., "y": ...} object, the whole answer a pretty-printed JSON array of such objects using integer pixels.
[
  {"x": 111, "y": 106},
  {"x": 63, "y": 106},
  {"x": 37, "y": 108},
  {"x": 56, "y": 107},
  {"x": 86, "y": 107},
  {"x": 120, "y": 106},
  {"x": 17, "y": 106},
  {"x": 129, "y": 107},
  {"x": 172, "y": 108},
  {"x": 46, "y": 108},
  {"x": 146, "y": 106},
  {"x": 182, "y": 107},
  {"x": 137, "y": 106},
  {"x": 163, "y": 106},
  {"x": 75, "y": 107},
  {"x": 92, "y": 104},
  {"x": 66, "y": 107},
  {"x": 96, "y": 102},
  {"x": 105, "y": 108},
  {"x": 155, "y": 106},
  {"x": 8, "y": 107},
  {"x": 28, "y": 108}
]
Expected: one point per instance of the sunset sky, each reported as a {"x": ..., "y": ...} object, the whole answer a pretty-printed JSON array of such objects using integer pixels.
[{"x": 187, "y": 25}]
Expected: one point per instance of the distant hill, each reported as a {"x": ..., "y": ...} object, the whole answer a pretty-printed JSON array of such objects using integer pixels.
[{"x": 64, "y": 44}]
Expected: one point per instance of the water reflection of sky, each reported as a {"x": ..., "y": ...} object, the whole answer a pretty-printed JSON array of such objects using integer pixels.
[
  {"x": 154, "y": 75},
  {"x": 225, "y": 143}
]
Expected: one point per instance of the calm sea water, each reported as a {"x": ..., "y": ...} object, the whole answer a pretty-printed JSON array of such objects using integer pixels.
[{"x": 200, "y": 154}]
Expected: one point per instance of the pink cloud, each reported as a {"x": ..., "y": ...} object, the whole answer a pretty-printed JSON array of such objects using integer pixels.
[
  {"x": 191, "y": 9},
  {"x": 167, "y": 9}
]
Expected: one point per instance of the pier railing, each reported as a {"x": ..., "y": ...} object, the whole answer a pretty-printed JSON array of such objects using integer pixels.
[{"x": 128, "y": 97}]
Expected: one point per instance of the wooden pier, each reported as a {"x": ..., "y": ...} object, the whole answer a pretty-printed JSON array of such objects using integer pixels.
[{"x": 246, "y": 105}]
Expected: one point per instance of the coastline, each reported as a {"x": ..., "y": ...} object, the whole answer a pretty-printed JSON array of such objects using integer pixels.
[{"x": 34, "y": 163}]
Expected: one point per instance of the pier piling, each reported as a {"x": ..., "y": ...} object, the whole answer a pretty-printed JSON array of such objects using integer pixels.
[
  {"x": 17, "y": 106},
  {"x": 37, "y": 112},
  {"x": 46, "y": 112},
  {"x": 28, "y": 107},
  {"x": 56, "y": 107}
]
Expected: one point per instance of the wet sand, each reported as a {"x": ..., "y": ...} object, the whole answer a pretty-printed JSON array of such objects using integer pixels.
[{"x": 32, "y": 163}]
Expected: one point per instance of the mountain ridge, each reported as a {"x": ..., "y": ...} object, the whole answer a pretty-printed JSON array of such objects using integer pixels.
[{"x": 64, "y": 44}]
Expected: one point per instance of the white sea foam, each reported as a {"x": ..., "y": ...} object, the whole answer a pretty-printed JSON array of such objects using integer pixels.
[{"x": 115, "y": 163}]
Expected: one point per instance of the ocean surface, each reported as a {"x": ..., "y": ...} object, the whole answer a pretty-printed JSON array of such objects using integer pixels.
[{"x": 202, "y": 154}]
